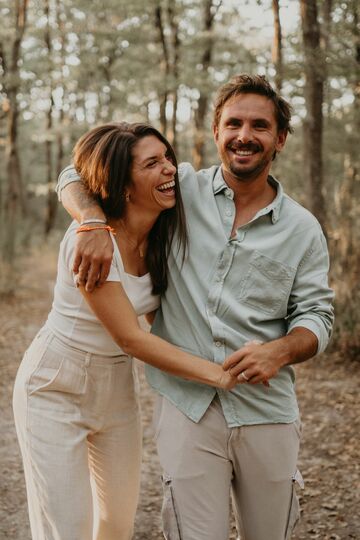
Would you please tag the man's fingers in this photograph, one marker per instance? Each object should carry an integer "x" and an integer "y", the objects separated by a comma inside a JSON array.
[
  {"x": 251, "y": 377},
  {"x": 93, "y": 277},
  {"x": 242, "y": 367},
  {"x": 82, "y": 273},
  {"x": 240, "y": 354},
  {"x": 104, "y": 272},
  {"x": 233, "y": 359},
  {"x": 76, "y": 263}
]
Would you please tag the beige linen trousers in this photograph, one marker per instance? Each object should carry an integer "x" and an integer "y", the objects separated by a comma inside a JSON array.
[{"x": 77, "y": 417}]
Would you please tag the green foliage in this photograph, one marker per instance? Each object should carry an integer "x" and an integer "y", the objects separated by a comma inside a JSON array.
[{"x": 106, "y": 62}]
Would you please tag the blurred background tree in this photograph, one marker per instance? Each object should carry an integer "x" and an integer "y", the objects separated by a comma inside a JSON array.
[{"x": 68, "y": 65}]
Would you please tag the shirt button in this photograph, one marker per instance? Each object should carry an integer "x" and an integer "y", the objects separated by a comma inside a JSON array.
[
  {"x": 228, "y": 212},
  {"x": 218, "y": 343}
]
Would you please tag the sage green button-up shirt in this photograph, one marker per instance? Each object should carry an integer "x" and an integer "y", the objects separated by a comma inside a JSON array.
[{"x": 270, "y": 278}]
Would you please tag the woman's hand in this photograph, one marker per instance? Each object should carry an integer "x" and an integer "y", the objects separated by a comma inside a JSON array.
[{"x": 227, "y": 380}]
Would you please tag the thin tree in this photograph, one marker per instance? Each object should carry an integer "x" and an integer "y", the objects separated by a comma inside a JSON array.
[
  {"x": 209, "y": 10},
  {"x": 175, "y": 42},
  {"x": 313, "y": 123},
  {"x": 14, "y": 198},
  {"x": 51, "y": 202},
  {"x": 277, "y": 56},
  {"x": 350, "y": 259},
  {"x": 164, "y": 67},
  {"x": 60, "y": 15}
]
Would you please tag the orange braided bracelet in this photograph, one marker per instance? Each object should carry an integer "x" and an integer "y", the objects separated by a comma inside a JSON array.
[{"x": 105, "y": 227}]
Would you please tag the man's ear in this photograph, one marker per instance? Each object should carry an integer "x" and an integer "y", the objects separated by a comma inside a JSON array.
[
  {"x": 281, "y": 140},
  {"x": 215, "y": 132}
]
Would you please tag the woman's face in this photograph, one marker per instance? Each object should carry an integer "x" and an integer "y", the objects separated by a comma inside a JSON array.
[{"x": 152, "y": 186}]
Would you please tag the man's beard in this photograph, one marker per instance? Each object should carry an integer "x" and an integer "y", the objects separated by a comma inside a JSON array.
[
  {"x": 240, "y": 171},
  {"x": 251, "y": 173}
]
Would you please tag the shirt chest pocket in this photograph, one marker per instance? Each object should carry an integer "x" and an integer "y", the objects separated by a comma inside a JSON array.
[{"x": 267, "y": 285}]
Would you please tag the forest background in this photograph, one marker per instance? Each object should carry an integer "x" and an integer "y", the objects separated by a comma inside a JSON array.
[
  {"x": 71, "y": 64},
  {"x": 67, "y": 65}
]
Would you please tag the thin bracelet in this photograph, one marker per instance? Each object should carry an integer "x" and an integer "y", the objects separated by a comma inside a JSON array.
[
  {"x": 93, "y": 220},
  {"x": 83, "y": 228}
]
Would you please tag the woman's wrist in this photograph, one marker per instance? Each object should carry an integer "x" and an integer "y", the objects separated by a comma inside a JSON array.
[{"x": 220, "y": 378}]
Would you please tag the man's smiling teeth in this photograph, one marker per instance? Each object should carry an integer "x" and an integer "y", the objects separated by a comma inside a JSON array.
[
  {"x": 168, "y": 185},
  {"x": 243, "y": 152}
]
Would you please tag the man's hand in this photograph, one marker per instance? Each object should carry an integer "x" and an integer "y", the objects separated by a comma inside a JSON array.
[
  {"x": 254, "y": 363},
  {"x": 93, "y": 256}
]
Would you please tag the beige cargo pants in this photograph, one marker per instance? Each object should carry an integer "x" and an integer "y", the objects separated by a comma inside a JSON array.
[{"x": 203, "y": 463}]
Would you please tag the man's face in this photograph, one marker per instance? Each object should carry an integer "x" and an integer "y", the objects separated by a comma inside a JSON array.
[{"x": 247, "y": 137}]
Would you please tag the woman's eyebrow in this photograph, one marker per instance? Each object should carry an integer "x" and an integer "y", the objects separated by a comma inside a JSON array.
[{"x": 150, "y": 158}]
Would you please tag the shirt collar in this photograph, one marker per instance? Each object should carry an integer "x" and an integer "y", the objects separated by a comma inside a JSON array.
[{"x": 219, "y": 186}]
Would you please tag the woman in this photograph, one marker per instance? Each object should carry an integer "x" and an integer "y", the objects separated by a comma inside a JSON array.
[{"x": 75, "y": 404}]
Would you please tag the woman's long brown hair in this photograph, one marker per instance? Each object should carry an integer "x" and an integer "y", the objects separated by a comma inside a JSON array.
[{"x": 103, "y": 158}]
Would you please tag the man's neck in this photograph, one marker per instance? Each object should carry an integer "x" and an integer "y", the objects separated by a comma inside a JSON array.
[{"x": 250, "y": 196}]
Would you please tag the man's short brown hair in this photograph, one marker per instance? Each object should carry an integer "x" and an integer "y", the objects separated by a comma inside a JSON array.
[{"x": 253, "y": 84}]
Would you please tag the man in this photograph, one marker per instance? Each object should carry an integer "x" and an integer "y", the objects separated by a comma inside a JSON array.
[{"x": 255, "y": 279}]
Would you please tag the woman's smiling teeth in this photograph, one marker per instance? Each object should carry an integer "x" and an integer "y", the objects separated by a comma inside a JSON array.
[{"x": 167, "y": 185}]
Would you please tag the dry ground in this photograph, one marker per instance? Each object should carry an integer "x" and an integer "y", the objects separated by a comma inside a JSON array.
[{"x": 329, "y": 401}]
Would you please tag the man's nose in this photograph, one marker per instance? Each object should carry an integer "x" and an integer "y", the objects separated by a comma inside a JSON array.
[{"x": 244, "y": 134}]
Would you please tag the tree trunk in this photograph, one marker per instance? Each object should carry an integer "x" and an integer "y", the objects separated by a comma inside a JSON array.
[
  {"x": 326, "y": 7},
  {"x": 51, "y": 202},
  {"x": 174, "y": 73},
  {"x": 203, "y": 101},
  {"x": 347, "y": 192},
  {"x": 313, "y": 124},
  {"x": 60, "y": 136},
  {"x": 14, "y": 198},
  {"x": 277, "y": 46},
  {"x": 164, "y": 67}
]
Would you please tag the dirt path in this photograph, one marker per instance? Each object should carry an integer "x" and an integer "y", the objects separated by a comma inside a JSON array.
[{"x": 329, "y": 401}]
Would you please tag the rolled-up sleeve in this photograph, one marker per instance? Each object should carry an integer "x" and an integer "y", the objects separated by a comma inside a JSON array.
[
  {"x": 311, "y": 300},
  {"x": 67, "y": 176}
]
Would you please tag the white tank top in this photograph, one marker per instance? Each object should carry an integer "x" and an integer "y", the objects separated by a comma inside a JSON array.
[{"x": 72, "y": 320}]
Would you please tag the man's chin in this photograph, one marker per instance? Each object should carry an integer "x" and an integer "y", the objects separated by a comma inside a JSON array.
[{"x": 244, "y": 174}]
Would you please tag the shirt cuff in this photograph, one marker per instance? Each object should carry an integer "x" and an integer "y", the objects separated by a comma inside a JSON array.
[
  {"x": 67, "y": 176},
  {"x": 315, "y": 328}
]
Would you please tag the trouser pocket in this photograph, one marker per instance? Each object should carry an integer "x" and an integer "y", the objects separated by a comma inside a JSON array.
[
  {"x": 171, "y": 528},
  {"x": 294, "y": 509}
]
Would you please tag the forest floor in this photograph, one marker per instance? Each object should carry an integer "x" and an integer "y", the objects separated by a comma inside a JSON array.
[{"x": 328, "y": 391}]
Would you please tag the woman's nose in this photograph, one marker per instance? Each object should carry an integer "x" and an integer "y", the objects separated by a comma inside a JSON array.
[{"x": 169, "y": 167}]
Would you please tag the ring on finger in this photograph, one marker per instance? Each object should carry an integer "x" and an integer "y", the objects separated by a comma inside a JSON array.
[{"x": 244, "y": 376}]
